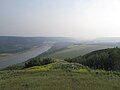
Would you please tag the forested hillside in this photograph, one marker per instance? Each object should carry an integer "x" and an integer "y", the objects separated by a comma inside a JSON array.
[{"x": 107, "y": 59}]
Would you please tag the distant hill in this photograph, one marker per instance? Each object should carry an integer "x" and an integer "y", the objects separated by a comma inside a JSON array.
[
  {"x": 107, "y": 59},
  {"x": 107, "y": 40},
  {"x": 9, "y": 44}
]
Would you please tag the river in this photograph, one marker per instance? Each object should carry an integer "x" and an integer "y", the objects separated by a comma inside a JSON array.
[{"x": 21, "y": 57}]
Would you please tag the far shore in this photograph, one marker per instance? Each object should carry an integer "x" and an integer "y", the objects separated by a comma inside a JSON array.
[{"x": 3, "y": 55}]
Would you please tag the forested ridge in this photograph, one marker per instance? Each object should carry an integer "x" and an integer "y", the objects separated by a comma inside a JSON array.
[{"x": 107, "y": 59}]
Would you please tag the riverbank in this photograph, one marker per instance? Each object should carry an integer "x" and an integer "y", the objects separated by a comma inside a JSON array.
[{"x": 21, "y": 57}]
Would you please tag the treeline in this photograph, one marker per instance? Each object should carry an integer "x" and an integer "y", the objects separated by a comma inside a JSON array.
[
  {"x": 37, "y": 61},
  {"x": 107, "y": 59}
]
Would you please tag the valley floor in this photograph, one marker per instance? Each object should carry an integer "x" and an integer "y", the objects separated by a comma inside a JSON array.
[{"x": 57, "y": 80}]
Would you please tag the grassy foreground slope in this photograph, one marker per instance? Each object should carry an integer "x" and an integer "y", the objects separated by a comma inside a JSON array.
[
  {"x": 59, "y": 75},
  {"x": 57, "y": 80}
]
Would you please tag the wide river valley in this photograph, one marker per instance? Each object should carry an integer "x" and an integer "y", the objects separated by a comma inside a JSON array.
[{"x": 21, "y": 57}]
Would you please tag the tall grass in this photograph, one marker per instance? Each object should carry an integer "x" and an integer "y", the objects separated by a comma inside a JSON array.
[{"x": 58, "y": 80}]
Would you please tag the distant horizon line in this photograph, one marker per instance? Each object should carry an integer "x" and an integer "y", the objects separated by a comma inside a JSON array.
[{"x": 57, "y": 37}]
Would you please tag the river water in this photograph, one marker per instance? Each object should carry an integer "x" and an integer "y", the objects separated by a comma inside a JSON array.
[{"x": 21, "y": 57}]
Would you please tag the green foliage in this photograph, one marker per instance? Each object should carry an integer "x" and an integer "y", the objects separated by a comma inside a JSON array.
[
  {"x": 81, "y": 70},
  {"x": 38, "y": 62},
  {"x": 58, "y": 65},
  {"x": 107, "y": 59},
  {"x": 39, "y": 68},
  {"x": 67, "y": 66}
]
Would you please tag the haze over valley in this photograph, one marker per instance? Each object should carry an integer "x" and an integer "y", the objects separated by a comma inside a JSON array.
[{"x": 59, "y": 44}]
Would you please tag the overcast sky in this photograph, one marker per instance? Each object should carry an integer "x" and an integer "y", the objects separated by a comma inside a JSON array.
[{"x": 69, "y": 18}]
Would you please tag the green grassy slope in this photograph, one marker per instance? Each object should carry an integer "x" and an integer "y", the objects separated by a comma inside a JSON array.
[{"x": 57, "y": 80}]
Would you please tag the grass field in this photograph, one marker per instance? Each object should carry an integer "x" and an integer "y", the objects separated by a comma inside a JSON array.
[
  {"x": 75, "y": 50},
  {"x": 57, "y": 80}
]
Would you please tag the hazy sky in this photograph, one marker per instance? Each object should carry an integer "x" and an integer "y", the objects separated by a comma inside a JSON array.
[{"x": 70, "y": 18}]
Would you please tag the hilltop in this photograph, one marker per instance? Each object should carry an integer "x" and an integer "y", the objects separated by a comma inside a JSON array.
[{"x": 56, "y": 74}]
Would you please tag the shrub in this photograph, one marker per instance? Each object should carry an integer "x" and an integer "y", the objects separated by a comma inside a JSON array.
[{"x": 39, "y": 62}]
